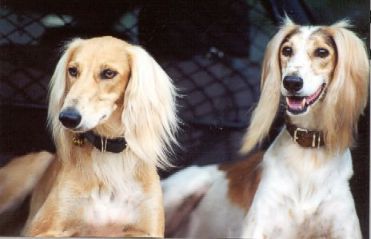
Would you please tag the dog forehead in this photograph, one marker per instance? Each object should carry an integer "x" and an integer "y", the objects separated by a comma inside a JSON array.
[
  {"x": 301, "y": 35},
  {"x": 101, "y": 50},
  {"x": 309, "y": 36}
]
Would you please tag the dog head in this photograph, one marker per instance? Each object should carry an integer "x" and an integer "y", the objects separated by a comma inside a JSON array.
[
  {"x": 116, "y": 89},
  {"x": 321, "y": 72},
  {"x": 307, "y": 58}
]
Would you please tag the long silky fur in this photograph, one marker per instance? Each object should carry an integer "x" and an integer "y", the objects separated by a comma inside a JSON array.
[
  {"x": 266, "y": 110},
  {"x": 57, "y": 93},
  {"x": 149, "y": 113},
  {"x": 347, "y": 93}
]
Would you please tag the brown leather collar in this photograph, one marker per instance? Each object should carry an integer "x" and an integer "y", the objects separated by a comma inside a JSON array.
[{"x": 304, "y": 137}]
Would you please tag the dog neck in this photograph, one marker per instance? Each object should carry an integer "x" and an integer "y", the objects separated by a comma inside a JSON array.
[
  {"x": 112, "y": 127},
  {"x": 305, "y": 130},
  {"x": 103, "y": 144},
  {"x": 305, "y": 137},
  {"x": 302, "y": 160}
]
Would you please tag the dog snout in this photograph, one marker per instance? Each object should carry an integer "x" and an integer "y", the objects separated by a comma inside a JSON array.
[
  {"x": 293, "y": 83},
  {"x": 70, "y": 117}
]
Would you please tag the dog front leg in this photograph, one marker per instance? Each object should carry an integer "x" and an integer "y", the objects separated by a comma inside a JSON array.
[
  {"x": 155, "y": 222},
  {"x": 252, "y": 227},
  {"x": 56, "y": 233},
  {"x": 265, "y": 221},
  {"x": 343, "y": 220},
  {"x": 152, "y": 221},
  {"x": 48, "y": 222},
  {"x": 151, "y": 226},
  {"x": 46, "y": 228}
]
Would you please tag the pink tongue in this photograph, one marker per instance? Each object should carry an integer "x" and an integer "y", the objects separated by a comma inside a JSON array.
[
  {"x": 314, "y": 96},
  {"x": 296, "y": 104}
]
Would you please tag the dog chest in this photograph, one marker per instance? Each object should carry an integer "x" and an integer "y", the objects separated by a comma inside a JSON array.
[
  {"x": 118, "y": 197},
  {"x": 114, "y": 206},
  {"x": 310, "y": 194}
]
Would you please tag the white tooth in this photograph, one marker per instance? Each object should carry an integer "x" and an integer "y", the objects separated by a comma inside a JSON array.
[{"x": 303, "y": 102}]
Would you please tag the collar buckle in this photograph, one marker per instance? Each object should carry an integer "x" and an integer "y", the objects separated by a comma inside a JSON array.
[
  {"x": 295, "y": 138},
  {"x": 305, "y": 137},
  {"x": 78, "y": 140}
]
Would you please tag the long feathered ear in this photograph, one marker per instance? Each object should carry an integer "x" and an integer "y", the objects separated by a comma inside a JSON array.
[
  {"x": 149, "y": 115},
  {"x": 57, "y": 93},
  {"x": 347, "y": 92},
  {"x": 266, "y": 110}
]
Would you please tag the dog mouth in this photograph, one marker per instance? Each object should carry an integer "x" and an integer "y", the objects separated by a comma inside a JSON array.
[
  {"x": 300, "y": 104},
  {"x": 83, "y": 128}
]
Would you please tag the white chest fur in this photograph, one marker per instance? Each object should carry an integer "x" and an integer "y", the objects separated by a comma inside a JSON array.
[
  {"x": 302, "y": 194},
  {"x": 118, "y": 199}
]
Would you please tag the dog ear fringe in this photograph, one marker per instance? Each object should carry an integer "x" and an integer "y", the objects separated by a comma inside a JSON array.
[
  {"x": 57, "y": 92},
  {"x": 347, "y": 94},
  {"x": 266, "y": 110},
  {"x": 149, "y": 114}
]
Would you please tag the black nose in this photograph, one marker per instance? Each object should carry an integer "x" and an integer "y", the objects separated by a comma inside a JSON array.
[
  {"x": 70, "y": 117},
  {"x": 293, "y": 83}
]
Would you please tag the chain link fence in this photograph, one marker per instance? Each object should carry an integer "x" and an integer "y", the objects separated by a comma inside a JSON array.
[{"x": 212, "y": 51}]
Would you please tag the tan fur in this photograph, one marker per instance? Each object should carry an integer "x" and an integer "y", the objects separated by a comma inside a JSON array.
[
  {"x": 320, "y": 39},
  {"x": 25, "y": 171},
  {"x": 243, "y": 179},
  {"x": 266, "y": 110},
  {"x": 347, "y": 95},
  {"x": 85, "y": 192}
]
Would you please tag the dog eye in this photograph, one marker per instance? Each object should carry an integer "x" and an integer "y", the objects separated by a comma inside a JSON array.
[
  {"x": 321, "y": 52},
  {"x": 108, "y": 74},
  {"x": 287, "y": 51},
  {"x": 72, "y": 71}
]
